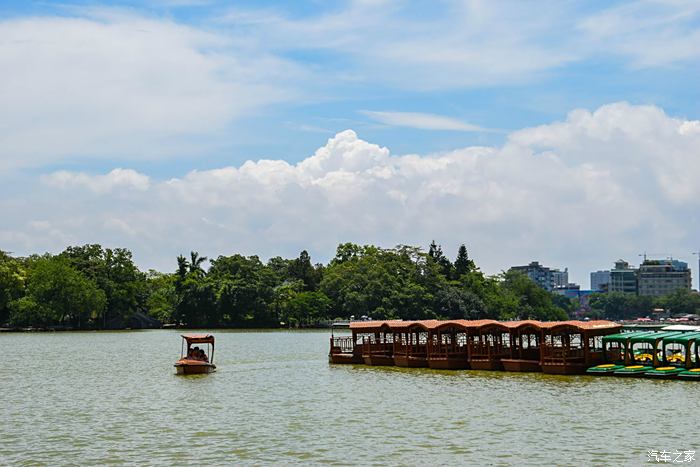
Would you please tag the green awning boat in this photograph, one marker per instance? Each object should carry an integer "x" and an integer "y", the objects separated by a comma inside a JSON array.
[
  {"x": 664, "y": 372},
  {"x": 615, "y": 356},
  {"x": 693, "y": 374},
  {"x": 633, "y": 370}
]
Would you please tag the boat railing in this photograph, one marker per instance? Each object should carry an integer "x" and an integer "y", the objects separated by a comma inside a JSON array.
[
  {"x": 342, "y": 344},
  {"x": 405, "y": 348},
  {"x": 439, "y": 349},
  {"x": 377, "y": 348},
  {"x": 488, "y": 349}
]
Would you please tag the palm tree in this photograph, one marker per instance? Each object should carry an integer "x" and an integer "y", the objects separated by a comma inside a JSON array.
[
  {"x": 182, "y": 266},
  {"x": 196, "y": 263}
]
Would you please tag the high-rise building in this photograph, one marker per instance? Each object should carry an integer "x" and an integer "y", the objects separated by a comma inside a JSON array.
[
  {"x": 600, "y": 281},
  {"x": 560, "y": 278},
  {"x": 543, "y": 276},
  {"x": 623, "y": 278},
  {"x": 663, "y": 277}
]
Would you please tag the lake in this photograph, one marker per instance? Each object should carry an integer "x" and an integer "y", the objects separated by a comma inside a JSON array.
[{"x": 113, "y": 397}]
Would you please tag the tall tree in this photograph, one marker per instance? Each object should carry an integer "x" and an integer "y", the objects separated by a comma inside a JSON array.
[
  {"x": 196, "y": 262},
  {"x": 302, "y": 269},
  {"x": 463, "y": 264}
]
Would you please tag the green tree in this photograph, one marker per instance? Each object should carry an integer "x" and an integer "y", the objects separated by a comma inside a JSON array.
[
  {"x": 245, "y": 290},
  {"x": 435, "y": 254},
  {"x": 681, "y": 302},
  {"x": 463, "y": 264},
  {"x": 161, "y": 294},
  {"x": 57, "y": 293},
  {"x": 12, "y": 279},
  {"x": 533, "y": 301},
  {"x": 302, "y": 269},
  {"x": 115, "y": 273},
  {"x": 307, "y": 308}
]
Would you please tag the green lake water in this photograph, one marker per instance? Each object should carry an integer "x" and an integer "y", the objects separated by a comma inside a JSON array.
[{"x": 113, "y": 397}]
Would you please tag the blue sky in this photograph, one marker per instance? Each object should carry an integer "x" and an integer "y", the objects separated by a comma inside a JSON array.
[{"x": 163, "y": 88}]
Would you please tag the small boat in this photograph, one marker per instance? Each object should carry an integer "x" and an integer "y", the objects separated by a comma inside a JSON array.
[
  {"x": 693, "y": 374},
  {"x": 190, "y": 364},
  {"x": 633, "y": 370},
  {"x": 664, "y": 372},
  {"x": 616, "y": 353}
]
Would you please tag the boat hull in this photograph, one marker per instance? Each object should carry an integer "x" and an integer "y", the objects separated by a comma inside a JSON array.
[
  {"x": 189, "y": 367},
  {"x": 378, "y": 360},
  {"x": 485, "y": 364},
  {"x": 510, "y": 364},
  {"x": 658, "y": 373},
  {"x": 633, "y": 371},
  {"x": 564, "y": 368},
  {"x": 449, "y": 363},
  {"x": 604, "y": 370},
  {"x": 690, "y": 375},
  {"x": 345, "y": 359},
  {"x": 410, "y": 362}
]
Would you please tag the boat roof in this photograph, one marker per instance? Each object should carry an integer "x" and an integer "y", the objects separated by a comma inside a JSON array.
[
  {"x": 582, "y": 325},
  {"x": 683, "y": 338},
  {"x": 198, "y": 338},
  {"x": 397, "y": 324},
  {"x": 522, "y": 323},
  {"x": 624, "y": 336},
  {"x": 372, "y": 324},
  {"x": 654, "y": 337}
]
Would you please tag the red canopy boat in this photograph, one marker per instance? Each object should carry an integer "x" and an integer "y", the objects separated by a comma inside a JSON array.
[{"x": 191, "y": 364}]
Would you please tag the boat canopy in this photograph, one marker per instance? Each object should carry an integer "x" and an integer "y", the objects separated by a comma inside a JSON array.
[
  {"x": 682, "y": 338},
  {"x": 625, "y": 336},
  {"x": 652, "y": 338},
  {"x": 198, "y": 338}
]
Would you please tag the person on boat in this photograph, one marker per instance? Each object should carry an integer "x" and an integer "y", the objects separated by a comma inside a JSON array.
[
  {"x": 203, "y": 356},
  {"x": 195, "y": 354}
]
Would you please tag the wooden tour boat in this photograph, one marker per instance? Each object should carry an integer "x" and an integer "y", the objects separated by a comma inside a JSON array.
[
  {"x": 190, "y": 364},
  {"x": 411, "y": 344},
  {"x": 489, "y": 342},
  {"x": 524, "y": 346},
  {"x": 345, "y": 349},
  {"x": 447, "y": 345},
  {"x": 376, "y": 340},
  {"x": 571, "y": 347},
  {"x": 564, "y": 347}
]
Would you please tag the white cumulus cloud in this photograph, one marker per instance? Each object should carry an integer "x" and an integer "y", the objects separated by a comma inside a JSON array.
[
  {"x": 115, "y": 85},
  {"x": 578, "y": 193}
]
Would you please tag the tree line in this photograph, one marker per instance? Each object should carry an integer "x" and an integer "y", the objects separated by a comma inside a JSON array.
[{"x": 91, "y": 287}]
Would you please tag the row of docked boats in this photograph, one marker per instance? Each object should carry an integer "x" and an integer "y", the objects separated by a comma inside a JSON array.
[
  {"x": 665, "y": 354},
  {"x": 559, "y": 347}
]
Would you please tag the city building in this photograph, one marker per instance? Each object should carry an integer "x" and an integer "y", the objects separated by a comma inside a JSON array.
[
  {"x": 623, "y": 278},
  {"x": 569, "y": 290},
  {"x": 600, "y": 281},
  {"x": 560, "y": 278},
  {"x": 662, "y": 277},
  {"x": 545, "y": 277}
]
